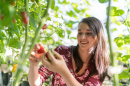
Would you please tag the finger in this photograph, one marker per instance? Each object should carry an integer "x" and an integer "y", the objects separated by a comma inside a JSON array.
[
  {"x": 32, "y": 58},
  {"x": 57, "y": 55},
  {"x": 50, "y": 56},
  {"x": 36, "y": 47},
  {"x": 40, "y": 45},
  {"x": 45, "y": 62},
  {"x": 33, "y": 53}
]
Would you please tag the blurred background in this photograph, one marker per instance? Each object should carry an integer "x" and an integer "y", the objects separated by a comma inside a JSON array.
[{"x": 21, "y": 26}]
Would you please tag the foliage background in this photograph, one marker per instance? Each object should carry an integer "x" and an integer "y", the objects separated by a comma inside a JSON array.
[{"x": 62, "y": 19}]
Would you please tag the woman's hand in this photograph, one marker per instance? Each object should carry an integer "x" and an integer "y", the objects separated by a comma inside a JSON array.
[
  {"x": 35, "y": 56},
  {"x": 55, "y": 62}
]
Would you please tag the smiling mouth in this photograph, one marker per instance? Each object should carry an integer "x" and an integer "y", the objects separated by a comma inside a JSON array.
[{"x": 84, "y": 42}]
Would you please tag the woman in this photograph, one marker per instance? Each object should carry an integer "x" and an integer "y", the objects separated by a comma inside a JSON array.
[{"x": 83, "y": 65}]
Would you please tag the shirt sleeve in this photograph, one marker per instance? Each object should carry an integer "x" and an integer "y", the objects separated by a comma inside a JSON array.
[{"x": 93, "y": 81}]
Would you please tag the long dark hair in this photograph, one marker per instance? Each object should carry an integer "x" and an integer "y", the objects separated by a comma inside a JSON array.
[{"x": 100, "y": 56}]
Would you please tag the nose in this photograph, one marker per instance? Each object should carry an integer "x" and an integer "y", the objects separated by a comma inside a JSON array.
[{"x": 84, "y": 36}]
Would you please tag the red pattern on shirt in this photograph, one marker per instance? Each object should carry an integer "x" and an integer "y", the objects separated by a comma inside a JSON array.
[{"x": 57, "y": 80}]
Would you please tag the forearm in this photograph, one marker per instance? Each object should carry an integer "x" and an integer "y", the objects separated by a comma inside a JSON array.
[
  {"x": 33, "y": 76},
  {"x": 69, "y": 79}
]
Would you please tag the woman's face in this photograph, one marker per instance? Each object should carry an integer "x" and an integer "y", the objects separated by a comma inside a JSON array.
[{"x": 85, "y": 38}]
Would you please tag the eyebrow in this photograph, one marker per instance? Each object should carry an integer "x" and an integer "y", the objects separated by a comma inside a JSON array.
[{"x": 86, "y": 29}]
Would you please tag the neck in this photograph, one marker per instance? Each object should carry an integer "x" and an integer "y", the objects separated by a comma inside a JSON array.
[{"x": 85, "y": 55}]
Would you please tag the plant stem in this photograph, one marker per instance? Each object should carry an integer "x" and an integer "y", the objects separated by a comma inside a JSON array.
[
  {"x": 26, "y": 30},
  {"x": 19, "y": 71},
  {"x": 113, "y": 59},
  {"x": 108, "y": 32},
  {"x": 26, "y": 41}
]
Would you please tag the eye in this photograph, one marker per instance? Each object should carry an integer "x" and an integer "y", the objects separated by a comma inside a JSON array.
[
  {"x": 88, "y": 33},
  {"x": 79, "y": 33}
]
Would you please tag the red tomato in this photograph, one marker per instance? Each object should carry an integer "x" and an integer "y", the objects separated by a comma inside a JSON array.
[
  {"x": 25, "y": 18},
  {"x": 2, "y": 17},
  {"x": 44, "y": 26},
  {"x": 14, "y": 20},
  {"x": 41, "y": 50}
]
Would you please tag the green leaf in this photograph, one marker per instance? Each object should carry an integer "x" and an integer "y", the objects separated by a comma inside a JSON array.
[
  {"x": 73, "y": 38},
  {"x": 71, "y": 13},
  {"x": 87, "y": 15},
  {"x": 2, "y": 35},
  {"x": 75, "y": 6},
  {"x": 33, "y": 20},
  {"x": 87, "y": 2},
  {"x": 8, "y": 12},
  {"x": 118, "y": 23},
  {"x": 70, "y": 23},
  {"x": 125, "y": 74},
  {"x": 127, "y": 39},
  {"x": 68, "y": 32},
  {"x": 59, "y": 42},
  {"x": 15, "y": 43},
  {"x": 64, "y": 2},
  {"x": 49, "y": 18},
  {"x": 119, "y": 41},
  {"x": 119, "y": 12},
  {"x": 127, "y": 23},
  {"x": 2, "y": 48},
  {"x": 128, "y": 50},
  {"x": 56, "y": 15},
  {"x": 56, "y": 8},
  {"x": 37, "y": 1},
  {"x": 60, "y": 33},
  {"x": 103, "y": 1},
  {"x": 113, "y": 19},
  {"x": 125, "y": 57},
  {"x": 53, "y": 4},
  {"x": 115, "y": 11},
  {"x": 114, "y": 29},
  {"x": 3, "y": 59}
]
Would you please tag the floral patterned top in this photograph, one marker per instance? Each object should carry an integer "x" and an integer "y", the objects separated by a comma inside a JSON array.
[{"x": 57, "y": 80}]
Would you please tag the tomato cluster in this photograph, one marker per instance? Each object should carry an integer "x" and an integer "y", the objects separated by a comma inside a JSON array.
[{"x": 25, "y": 18}]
